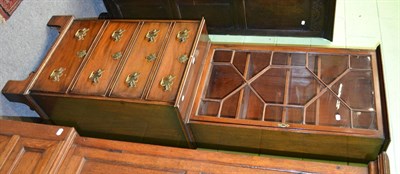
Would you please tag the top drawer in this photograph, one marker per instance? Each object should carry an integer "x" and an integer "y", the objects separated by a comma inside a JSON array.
[{"x": 64, "y": 62}]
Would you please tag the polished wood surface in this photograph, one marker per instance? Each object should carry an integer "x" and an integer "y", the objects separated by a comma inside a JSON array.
[
  {"x": 235, "y": 110},
  {"x": 313, "y": 18},
  {"x": 89, "y": 155},
  {"x": 98, "y": 99},
  {"x": 32, "y": 148}
]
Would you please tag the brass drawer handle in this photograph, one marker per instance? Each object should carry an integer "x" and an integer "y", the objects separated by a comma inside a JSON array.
[
  {"x": 81, "y": 54},
  {"x": 183, "y": 35},
  {"x": 132, "y": 79},
  {"x": 151, "y": 57},
  {"x": 117, "y": 34},
  {"x": 56, "y": 74},
  {"x": 167, "y": 82},
  {"x": 117, "y": 55},
  {"x": 283, "y": 125},
  {"x": 183, "y": 58},
  {"x": 151, "y": 35},
  {"x": 95, "y": 76},
  {"x": 81, "y": 33}
]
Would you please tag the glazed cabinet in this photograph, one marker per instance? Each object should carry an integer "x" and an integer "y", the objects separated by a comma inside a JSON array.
[
  {"x": 298, "y": 101},
  {"x": 121, "y": 79}
]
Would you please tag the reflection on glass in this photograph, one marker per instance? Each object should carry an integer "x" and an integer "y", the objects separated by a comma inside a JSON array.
[
  {"x": 355, "y": 88},
  {"x": 364, "y": 120},
  {"x": 360, "y": 62},
  {"x": 209, "y": 108},
  {"x": 271, "y": 85},
  {"x": 224, "y": 79},
  {"x": 325, "y": 89},
  {"x": 229, "y": 106},
  {"x": 327, "y": 67}
]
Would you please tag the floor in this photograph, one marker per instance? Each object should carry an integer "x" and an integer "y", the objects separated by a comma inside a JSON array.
[{"x": 24, "y": 40}]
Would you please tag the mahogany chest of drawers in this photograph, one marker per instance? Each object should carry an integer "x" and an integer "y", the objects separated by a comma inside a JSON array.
[{"x": 121, "y": 79}]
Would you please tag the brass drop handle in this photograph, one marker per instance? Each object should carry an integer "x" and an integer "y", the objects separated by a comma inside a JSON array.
[
  {"x": 117, "y": 55},
  {"x": 183, "y": 35},
  {"x": 183, "y": 58},
  {"x": 95, "y": 76},
  {"x": 167, "y": 82},
  {"x": 151, "y": 35},
  {"x": 81, "y": 33},
  {"x": 283, "y": 125},
  {"x": 151, "y": 57},
  {"x": 117, "y": 34},
  {"x": 56, "y": 74},
  {"x": 81, "y": 54},
  {"x": 132, "y": 79}
]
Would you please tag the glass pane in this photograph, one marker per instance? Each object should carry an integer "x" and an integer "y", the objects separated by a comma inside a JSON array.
[
  {"x": 259, "y": 61},
  {"x": 209, "y": 108},
  {"x": 298, "y": 59},
  {"x": 330, "y": 111},
  {"x": 229, "y": 106},
  {"x": 280, "y": 58},
  {"x": 360, "y": 62},
  {"x": 255, "y": 107},
  {"x": 303, "y": 86},
  {"x": 223, "y": 80},
  {"x": 222, "y": 56},
  {"x": 239, "y": 61},
  {"x": 355, "y": 88},
  {"x": 327, "y": 67},
  {"x": 294, "y": 115},
  {"x": 271, "y": 85},
  {"x": 273, "y": 113},
  {"x": 311, "y": 113},
  {"x": 364, "y": 120}
]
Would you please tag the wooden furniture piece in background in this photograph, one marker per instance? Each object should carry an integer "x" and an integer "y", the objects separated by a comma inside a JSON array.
[
  {"x": 36, "y": 148},
  {"x": 312, "y": 18},
  {"x": 298, "y": 101},
  {"x": 129, "y": 80}
]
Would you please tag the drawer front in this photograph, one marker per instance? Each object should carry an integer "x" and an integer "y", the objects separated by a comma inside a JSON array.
[
  {"x": 102, "y": 63},
  {"x": 172, "y": 66},
  {"x": 67, "y": 57},
  {"x": 146, "y": 51}
]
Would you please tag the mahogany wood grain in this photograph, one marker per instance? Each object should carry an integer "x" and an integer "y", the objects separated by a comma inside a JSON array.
[
  {"x": 170, "y": 65},
  {"x": 32, "y": 148},
  {"x": 227, "y": 130},
  {"x": 102, "y": 58},
  {"x": 137, "y": 62},
  {"x": 65, "y": 56}
]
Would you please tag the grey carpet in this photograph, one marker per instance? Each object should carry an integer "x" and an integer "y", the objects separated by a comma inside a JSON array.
[{"x": 25, "y": 39}]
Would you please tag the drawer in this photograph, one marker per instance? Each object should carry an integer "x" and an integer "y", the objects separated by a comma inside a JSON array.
[
  {"x": 140, "y": 63},
  {"x": 103, "y": 62},
  {"x": 64, "y": 62},
  {"x": 166, "y": 83}
]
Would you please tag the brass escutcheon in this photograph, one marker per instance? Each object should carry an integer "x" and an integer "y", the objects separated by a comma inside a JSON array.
[
  {"x": 117, "y": 34},
  {"x": 81, "y": 54},
  {"x": 183, "y": 35},
  {"x": 151, "y": 35},
  {"x": 183, "y": 58},
  {"x": 132, "y": 79},
  {"x": 167, "y": 82},
  {"x": 81, "y": 33},
  {"x": 56, "y": 74},
  {"x": 283, "y": 125},
  {"x": 151, "y": 57},
  {"x": 117, "y": 55},
  {"x": 95, "y": 76}
]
